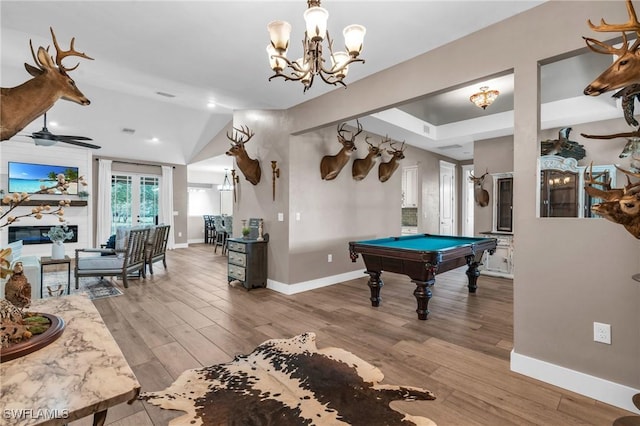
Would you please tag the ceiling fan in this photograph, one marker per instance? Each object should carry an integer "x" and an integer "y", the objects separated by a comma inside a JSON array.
[{"x": 45, "y": 138}]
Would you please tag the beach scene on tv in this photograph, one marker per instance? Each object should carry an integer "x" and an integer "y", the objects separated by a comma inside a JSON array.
[{"x": 30, "y": 178}]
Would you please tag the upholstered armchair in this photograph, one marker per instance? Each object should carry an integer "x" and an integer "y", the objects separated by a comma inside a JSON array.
[
  {"x": 120, "y": 262},
  {"x": 157, "y": 246}
]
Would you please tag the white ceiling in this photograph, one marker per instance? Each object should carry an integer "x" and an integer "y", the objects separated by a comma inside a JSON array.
[{"x": 203, "y": 51}]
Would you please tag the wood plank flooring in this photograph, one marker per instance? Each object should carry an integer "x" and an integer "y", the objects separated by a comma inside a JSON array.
[{"x": 188, "y": 316}]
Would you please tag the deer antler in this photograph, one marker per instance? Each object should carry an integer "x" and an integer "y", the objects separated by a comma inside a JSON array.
[
  {"x": 631, "y": 25},
  {"x": 384, "y": 140},
  {"x": 391, "y": 143},
  {"x": 608, "y": 49},
  {"x": 238, "y": 135},
  {"x": 61, "y": 54},
  {"x": 341, "y": 130},
  {"x": 635, "y": 134},
  {"x": 607, "y": 193}
]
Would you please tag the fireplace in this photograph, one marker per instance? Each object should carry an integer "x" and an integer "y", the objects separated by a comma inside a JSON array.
[{"x": 35, "y": 234}]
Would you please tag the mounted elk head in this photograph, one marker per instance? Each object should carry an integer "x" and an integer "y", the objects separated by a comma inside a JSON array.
[
  {"x": 331, "y": 165},
  {"x": 385, "y": 170},
  {"x": 626, "y": 69},
  {"x": 249, "y": 167},
  {"x": 619, "y": 205},
  {"x": 362, "y": 166},
  {"x": 480, "y": 194},
  {"x": 22, "y": 104}
]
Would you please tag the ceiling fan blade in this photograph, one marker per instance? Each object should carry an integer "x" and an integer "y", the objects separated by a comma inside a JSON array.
[
  {"x": 80, "y": 138},
  {"x": 78, "y": 143}
]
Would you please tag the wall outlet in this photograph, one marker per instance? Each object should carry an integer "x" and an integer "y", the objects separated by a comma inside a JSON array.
[
  {"x": 329, "y": 258},
  {"x": 602, "y": 333},
  {"x": 280, "y": 217}
]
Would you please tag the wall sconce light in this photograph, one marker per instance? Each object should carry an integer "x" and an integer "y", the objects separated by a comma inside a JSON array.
[
  {"x": 274, "y": 175},
  {"x": 236, "y": 180}
]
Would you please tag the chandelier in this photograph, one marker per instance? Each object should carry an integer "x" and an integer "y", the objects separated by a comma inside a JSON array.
[
  {"x": 312, "y": 62},
  {"x": 484, "y": 97}
]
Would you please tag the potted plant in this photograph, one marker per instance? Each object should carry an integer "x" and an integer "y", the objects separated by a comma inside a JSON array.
[
  {"x": 245, "y": 232},
  {"x": 58, "y": 234}
]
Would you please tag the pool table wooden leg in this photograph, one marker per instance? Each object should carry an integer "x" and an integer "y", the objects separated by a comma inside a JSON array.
[
  {"x": 472, "y": 273},
  {"x": 423, "y": 294},
  {"x": 375, "y": 284}
]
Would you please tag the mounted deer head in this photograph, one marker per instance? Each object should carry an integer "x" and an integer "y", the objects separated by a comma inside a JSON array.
[
  {"x": 626, "y": 69},
  {"x": 480, "y": 194},
  {"x": 619, "y": 205},
  {"x": 331, "y": 165},
  {"x": 362, "y": 166},
  {"x": 249, "y": 167},
  {"x": 22, "y": 104},
  {"x": 385, "y": 170}
]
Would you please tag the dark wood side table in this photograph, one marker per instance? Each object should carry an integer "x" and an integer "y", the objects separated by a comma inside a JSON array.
[{"x": 47, "y": 260}]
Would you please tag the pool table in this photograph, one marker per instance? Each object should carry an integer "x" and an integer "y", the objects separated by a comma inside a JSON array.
[{"x": 420, "y": 257}]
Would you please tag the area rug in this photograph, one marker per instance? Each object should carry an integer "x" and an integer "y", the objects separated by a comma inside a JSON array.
[
  {"x": 288, "y": 382},
  {"x": 95, "y": 287},
  {"x": 101, "y": 289}
]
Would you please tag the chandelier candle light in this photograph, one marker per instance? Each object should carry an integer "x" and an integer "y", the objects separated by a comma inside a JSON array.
[
  {"x": 312, "y": 62},
  {"x": 485, "y": 97}
]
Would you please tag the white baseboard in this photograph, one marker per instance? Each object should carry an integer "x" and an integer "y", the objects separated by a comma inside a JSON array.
[
  {"x": 593, "y": 387},
  {"x": 195, "y": 241},
  {"x": 290, "y": 289},
  {"x": 181, "y": 245}
]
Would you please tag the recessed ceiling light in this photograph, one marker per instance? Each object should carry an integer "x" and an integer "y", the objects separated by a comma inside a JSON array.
[
  {"x": 211, "y": 104},
  {"x": 155, "y": 140},
  {"x": 53, "y": 123}
]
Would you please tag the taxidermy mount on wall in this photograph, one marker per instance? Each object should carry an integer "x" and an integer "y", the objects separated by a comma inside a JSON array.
[
  {"x": 249, "y": 167},
  {"x": 480, "y": 194},
  {"x": 331, "y": 165},
  {"x": 22, "y": 104},
  {"x": 562, "y": 146},
  {"x": 362, "y": 166},
  {"x": 619, "y": 205},
  {"x": 624, "y": 73},
  {"x": 385, "y": 170}
]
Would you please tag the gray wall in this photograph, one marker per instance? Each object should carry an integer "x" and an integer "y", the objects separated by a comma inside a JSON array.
[
  {"x": 571, "y": 272},
  {"x": 496, "y": 156}
]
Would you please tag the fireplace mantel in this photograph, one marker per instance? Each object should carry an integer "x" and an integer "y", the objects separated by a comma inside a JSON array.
[{"x": 74, "y": 203}]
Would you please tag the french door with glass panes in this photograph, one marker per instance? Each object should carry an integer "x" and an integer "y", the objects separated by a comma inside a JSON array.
[{"x": 134, "y": 200}]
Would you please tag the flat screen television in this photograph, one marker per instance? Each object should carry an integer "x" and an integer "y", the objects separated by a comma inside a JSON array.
[{"x": 29, "y": 177}]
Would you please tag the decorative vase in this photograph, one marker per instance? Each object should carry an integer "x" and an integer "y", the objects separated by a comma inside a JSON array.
[{"x": 57, "y": 250}]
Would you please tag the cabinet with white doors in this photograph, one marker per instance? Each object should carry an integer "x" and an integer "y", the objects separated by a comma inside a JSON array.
[
  {"x": 410, "y": 186},
  {"x": 500, "y": 263}
]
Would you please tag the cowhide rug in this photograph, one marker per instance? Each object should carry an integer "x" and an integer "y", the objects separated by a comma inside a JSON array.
[{"x": 288, "y": 382}]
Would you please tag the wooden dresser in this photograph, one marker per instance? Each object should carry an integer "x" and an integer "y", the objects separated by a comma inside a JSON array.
[{"x": 247, "y": 261}]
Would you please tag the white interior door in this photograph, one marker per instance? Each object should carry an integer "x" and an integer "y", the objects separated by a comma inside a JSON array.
[
  {"x": 467, "y": 201},
  {"x": 447, "y": 198}
]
